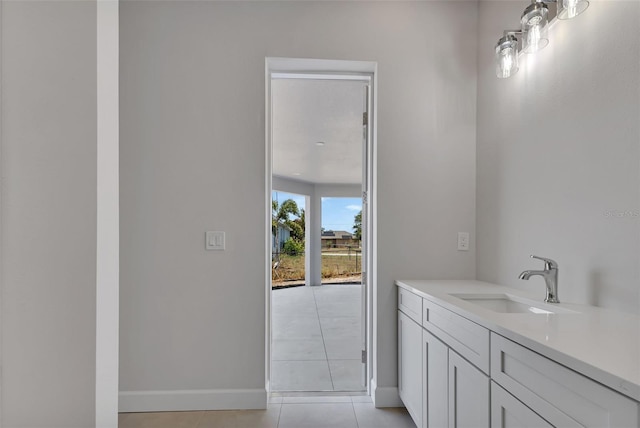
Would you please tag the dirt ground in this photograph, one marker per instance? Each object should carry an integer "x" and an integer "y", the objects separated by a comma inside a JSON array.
[{"x": 338, "y": 280}]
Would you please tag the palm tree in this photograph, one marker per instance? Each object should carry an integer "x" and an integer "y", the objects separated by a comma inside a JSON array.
[
  {"x": 357, "y": 226},
  {"x": 280, "y": 216},
  {"x": 298, "y": 226}
]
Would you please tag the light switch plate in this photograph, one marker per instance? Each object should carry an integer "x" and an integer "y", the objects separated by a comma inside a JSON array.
[
  {"x": 463, "y": 241},
  {"x": 214, "y": 240}
]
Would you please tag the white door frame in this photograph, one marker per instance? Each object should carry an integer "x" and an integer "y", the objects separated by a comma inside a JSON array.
[
  {"x": 325, "y": 69},
  {"x": 108, "y": 214}
]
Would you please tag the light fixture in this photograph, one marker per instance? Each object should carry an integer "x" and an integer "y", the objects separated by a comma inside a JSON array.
[
  {"x": 572, "y": 8},
  {"x": 320, "y": 143},
  {"x": 507, "y": 56},
  {"x": 534, "y": 22},
  {"x": 534, "y": 25}
]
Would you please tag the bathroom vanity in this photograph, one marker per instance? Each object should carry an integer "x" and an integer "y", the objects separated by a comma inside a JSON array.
[{"x": 474, "y": 354}]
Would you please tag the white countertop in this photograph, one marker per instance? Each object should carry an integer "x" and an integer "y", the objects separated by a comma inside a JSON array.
[{"x": 603, "y": 345}]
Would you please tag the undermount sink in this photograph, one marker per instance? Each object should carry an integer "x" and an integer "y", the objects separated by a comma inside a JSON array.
[{"x": 507, "y": 303}]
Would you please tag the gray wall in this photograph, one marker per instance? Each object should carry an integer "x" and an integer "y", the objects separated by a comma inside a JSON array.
[
  {"x": 48, "y": 213},
  {"x": 192, "y": 159},
  {"x": 558, "y": 156}
]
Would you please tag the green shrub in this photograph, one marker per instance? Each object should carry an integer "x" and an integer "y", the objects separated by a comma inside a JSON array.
[{"x": 293, "y": 247}]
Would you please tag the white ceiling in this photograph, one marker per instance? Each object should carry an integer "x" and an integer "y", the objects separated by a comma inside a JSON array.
[{"x": 306, "y": 112}]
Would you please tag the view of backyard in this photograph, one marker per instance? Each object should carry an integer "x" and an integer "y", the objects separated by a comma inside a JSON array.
[
  {"x": 341, "y": 254},
  {"x": 338, "y": 265}
]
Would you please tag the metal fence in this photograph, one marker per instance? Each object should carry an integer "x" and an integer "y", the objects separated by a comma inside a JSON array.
[{"x": 336, "y": 262}]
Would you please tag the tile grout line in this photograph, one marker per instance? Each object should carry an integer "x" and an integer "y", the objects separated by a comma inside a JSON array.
[
  {"x": 315, "y": 294},
  {"x": 279, "y": 415},
  {"x": 354, "y": 414},
  {"x": 295, "y": 316},
  {"x": 324, "y": 345}
]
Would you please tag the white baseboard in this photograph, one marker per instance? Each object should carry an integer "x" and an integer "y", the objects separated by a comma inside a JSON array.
[
  {"x": 385, "y": 396},
  {"x": 197, "y": 399}
]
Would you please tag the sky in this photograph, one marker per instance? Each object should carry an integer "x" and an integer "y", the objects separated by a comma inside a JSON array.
[{"x": 337, "y": 213}]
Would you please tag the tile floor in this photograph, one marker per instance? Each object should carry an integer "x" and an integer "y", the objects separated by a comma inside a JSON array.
[
  {"x": 283, "y": 412},
  {"x": 316, "y": 343}
]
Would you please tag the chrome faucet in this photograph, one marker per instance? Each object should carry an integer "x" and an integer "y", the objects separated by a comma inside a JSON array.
[{"x": 550, "y": 275}]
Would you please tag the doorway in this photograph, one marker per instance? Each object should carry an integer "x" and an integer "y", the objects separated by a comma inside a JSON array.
[{"x": 319, "y": 145}]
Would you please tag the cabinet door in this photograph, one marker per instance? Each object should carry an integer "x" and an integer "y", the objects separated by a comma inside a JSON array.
[
  {"x": 508, "y": 412},
  {"x": 435, "y": 366},
  {"x": 468, "y": 394},
  {"x": 410, "y": 366}
]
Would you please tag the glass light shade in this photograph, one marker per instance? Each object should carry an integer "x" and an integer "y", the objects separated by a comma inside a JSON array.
[
  {"x": 572, "y": 8},
  {"x": 534, "y": 22},
  {"x": 507, "y": 57}
]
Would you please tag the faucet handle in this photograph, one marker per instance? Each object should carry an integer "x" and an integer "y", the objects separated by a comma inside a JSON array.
[{"x": 548, "y": 263}]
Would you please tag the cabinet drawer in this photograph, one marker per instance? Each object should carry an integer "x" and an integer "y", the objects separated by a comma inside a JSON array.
[
  {"x": 558, "y": 394},
  {"x": 410, "y": 304},
  {"x": 465, "y": 337}
]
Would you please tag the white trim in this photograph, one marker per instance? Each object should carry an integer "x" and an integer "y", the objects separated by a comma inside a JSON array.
[
  {"x": 321, "y": 76},
  {"x": 319, "y": 66},
  {"x": 385, "y": 396},
  {"x": 372, "y": 289},
  {"x": 267, "y": 225},
  {"x": 306, "y": 68},
  {"x": 194, "y": 399},
  {"x": 108, "y": 213},
  {"x": 2, "y": 323}
]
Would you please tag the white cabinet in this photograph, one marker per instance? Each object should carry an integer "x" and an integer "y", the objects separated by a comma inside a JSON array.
[
  {"x": 558, "y": 394},
  {"x": 438, "y": 387},
  {"x": 435, "y": 383},
  {"x": 455, "y": 394},
  {"x": 463, "y": 336},
  {"x": 468, "y": 394},
  {"x": 508, "y": 412},
  {"x": 410, "y": 366},
  {"x": 410, "y": 304},
  {"x": 456, "y": 373}
]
